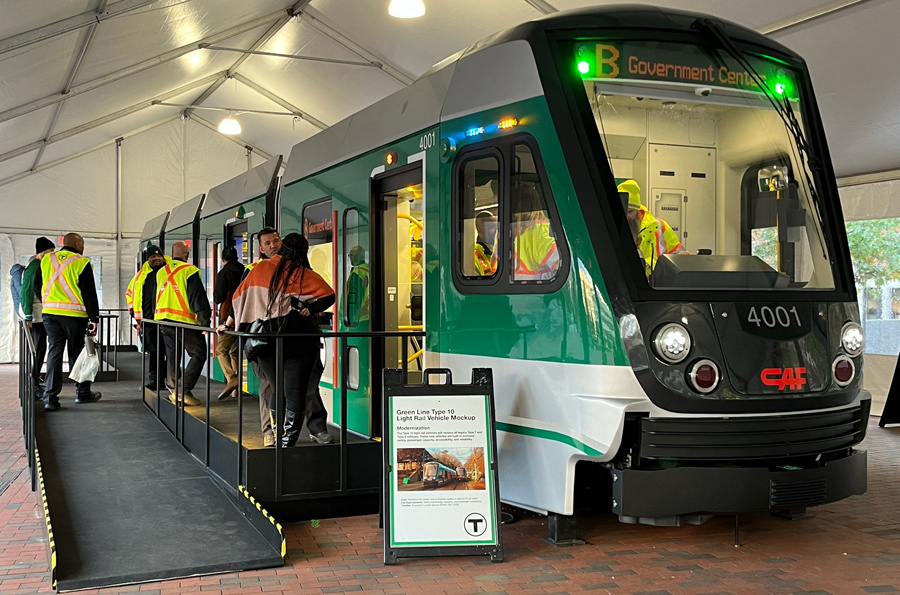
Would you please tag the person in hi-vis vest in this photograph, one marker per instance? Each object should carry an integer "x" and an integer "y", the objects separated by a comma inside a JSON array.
[
  {"x": 652, "y": 236},
  {"x": 70, "y": 309},
  {"x": 181, "y": 297},
  {"x": 144, "y": 308}
]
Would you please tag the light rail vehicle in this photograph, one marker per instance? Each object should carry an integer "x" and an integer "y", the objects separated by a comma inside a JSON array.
[{"x": 484, "y": 205}]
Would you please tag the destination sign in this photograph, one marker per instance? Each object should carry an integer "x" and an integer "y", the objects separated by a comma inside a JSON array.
[
  {"x": 318, "y": 223},
  {"x": 656, "y": 61}
]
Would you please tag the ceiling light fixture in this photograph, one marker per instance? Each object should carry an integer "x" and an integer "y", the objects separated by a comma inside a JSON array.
[
  {"x": 406, "y": 9},
  {"x": 230, "y": 126}
]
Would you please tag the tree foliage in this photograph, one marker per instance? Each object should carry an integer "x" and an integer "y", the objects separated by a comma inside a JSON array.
[{"x": 875, "y": 251}]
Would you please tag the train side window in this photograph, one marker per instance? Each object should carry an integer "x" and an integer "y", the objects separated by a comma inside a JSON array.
[
  {"x": 355, "y": 272},
  {"x": 535, "y": 255},
  {"x": 479, "y": 207},
  {"x": 318, "y": 227}
]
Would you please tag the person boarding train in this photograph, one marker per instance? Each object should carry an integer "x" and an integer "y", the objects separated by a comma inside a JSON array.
[{"x": 181, "y": 297}]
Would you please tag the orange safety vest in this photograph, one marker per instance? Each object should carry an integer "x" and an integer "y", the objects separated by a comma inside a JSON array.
[
  {"x": 171, "y": 296},
  {"x": 60, "y": 293}
]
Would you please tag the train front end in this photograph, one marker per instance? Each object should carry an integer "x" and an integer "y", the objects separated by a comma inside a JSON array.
[{"x": 699, "y": 161}]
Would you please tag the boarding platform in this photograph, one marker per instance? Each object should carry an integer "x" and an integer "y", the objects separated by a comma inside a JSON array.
[
  {"x": 280, "y": 478},
  {"x": 308, "y": 480},
  {"x": 125, "y": 503}
]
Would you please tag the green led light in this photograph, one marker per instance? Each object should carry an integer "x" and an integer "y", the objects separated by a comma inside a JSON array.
[
  {"x": 780, "y": 88},
  {"x": 584, "y": 67}
]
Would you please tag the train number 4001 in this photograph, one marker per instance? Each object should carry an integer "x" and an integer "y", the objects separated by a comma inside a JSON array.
[{"x": 790, "y": 378}]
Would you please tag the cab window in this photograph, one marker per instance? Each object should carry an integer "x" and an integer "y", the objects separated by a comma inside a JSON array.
[
  {"x": 479, "y": 208},
  {"x": 535, "y": 254},
  {"x": 508, "y": 232}
]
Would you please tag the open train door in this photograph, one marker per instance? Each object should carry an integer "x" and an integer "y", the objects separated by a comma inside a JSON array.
[{"x": 397, "y": 287}]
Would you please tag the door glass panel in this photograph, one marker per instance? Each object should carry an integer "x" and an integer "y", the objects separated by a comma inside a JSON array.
[
  {"x": 403, "y": 226},
  {"x": 356, "y": 272}
]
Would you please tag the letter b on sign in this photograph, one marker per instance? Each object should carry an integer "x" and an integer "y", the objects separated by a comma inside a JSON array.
[{"x": 607, "y": 61}]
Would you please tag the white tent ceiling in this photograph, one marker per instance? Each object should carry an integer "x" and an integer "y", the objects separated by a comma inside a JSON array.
[{"x": 77, "y": 74}]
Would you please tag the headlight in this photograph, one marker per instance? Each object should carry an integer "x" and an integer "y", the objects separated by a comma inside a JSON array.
[
  {"x": 852, "y": 339},
  {"x": 672, "y": 343}
]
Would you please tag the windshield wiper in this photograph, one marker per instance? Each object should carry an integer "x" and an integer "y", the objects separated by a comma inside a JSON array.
[{"x": 806, "y": 157}]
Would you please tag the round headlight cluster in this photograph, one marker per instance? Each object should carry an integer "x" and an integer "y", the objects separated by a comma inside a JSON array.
[
  {"x": 852, "y": 339},
  {"x": 672, "y": 343}
]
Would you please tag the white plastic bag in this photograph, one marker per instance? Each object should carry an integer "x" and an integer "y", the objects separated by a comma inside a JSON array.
[{"x": 88, "y": 364}]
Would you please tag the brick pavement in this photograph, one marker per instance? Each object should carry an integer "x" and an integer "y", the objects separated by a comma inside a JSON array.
[{"x": 846, "y": 547}]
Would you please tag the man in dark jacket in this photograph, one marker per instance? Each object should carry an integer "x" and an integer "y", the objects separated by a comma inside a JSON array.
[
  {"x": 227, "y": 280},
  {"x": 70, "y": 304},
  {"x": 156, "y": 260},
  {"x": 31, "y": 308}
]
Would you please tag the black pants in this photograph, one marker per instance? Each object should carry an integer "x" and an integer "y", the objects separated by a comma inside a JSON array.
[
  {"x": 148, "y": 335},
  {"x": 62, "y": 332},
  {"x": 301, "y": 360},
  {"x": 195, "y": 345},
  {"x": 39, "y": 337}
]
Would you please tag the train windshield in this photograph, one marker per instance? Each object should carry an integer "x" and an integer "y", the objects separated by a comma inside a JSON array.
[{"x": 708, "y": 151}]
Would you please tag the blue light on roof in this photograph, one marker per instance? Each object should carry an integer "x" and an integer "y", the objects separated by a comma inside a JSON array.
[{"x": 475, "y": 131}]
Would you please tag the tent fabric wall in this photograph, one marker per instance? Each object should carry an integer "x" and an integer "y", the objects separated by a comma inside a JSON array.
[
  {"x": 152, "y": 175},
  {"x": 76, "y": 195},
  {"x": 160, "y": 167},
  {"x": 209, "y": 161},
  {"x": 877, "y": 200},
  {"x": 9, "y": 329}
]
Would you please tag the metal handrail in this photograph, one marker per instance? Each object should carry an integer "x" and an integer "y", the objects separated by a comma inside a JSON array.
[
  {"x": 26, "y": 396},
  {"x": 278, "y": 385},
  {"x": 117, "y": 314}
]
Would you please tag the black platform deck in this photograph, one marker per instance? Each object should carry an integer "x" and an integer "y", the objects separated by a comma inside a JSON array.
[{"x": 129, "y": 504}]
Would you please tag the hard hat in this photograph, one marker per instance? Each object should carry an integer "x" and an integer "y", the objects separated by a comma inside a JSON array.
[{"x": 634, "y": 193}]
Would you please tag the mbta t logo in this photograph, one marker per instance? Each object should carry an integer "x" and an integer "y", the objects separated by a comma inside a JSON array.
[{"x": 790, "y": 378}]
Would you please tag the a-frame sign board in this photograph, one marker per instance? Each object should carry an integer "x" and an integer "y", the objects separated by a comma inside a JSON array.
[{"x": 441, "y": 490}]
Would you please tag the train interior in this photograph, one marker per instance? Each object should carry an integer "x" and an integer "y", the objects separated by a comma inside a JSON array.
[{"x": 719, "y": 165}]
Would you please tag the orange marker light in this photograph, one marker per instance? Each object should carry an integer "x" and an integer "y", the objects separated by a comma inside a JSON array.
[
  {"x": 507, "y": 123},
  {"x": 390, "y": 158}
]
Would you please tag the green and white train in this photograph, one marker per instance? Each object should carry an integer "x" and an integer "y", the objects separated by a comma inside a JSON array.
[{"x": 727, "y": 380}]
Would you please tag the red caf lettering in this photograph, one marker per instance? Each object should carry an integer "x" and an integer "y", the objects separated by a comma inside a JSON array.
[{"x": 791, "y": 378}]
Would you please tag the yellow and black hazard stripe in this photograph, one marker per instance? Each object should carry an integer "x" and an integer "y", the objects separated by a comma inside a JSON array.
[
  {"x": 266, "y": 514},
  {"x": 43, "y": 494}
]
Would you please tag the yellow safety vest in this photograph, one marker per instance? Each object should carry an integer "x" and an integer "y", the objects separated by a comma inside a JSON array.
[
  {"x": 139, "y": 280},
  {"x": 656, "y": 238},
  {"x": 60, "y": 293},
  {"x": 536, "y": 254},
  {"x": 358, "y": 294},
  {"x": 171, "y": 296},
  {"x": 129, "y": 291},
  {"x": 484, "y": 264},
  {"x": 135, "y": 285}
]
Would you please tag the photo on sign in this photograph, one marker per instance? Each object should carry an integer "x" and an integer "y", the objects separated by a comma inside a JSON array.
[{"x": 421, "y": 469}]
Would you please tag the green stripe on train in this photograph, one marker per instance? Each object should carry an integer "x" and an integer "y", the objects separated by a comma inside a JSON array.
[{"x": 548, "y": 435}]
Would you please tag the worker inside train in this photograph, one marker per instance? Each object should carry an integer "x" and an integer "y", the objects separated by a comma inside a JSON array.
[
  {"x": 534, "y": 243},
  {"x": 652, "y": 236},
  {"x": 486, "y": 237}
]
